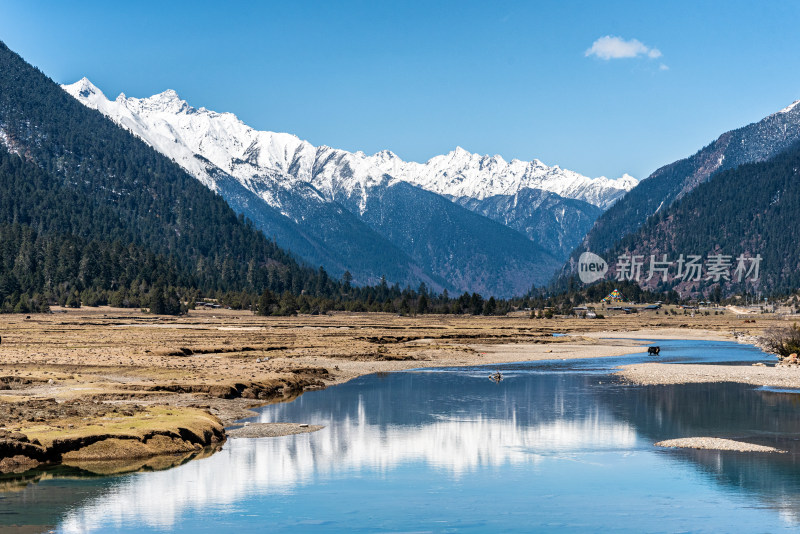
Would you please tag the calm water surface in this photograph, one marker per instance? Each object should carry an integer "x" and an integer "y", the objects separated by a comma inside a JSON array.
[{"x": 556, "y": 446}]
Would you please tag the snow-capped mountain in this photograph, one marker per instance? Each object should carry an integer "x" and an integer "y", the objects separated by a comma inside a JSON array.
[
  {"x": 461, "y": 174},
  {"x": 181, "y": 131},
  {"x": 323, "y": 193},
  {"x": 221, "y": 152}
]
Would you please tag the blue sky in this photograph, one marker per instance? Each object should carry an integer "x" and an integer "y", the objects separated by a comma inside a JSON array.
[{"x": 419, "y": 78}]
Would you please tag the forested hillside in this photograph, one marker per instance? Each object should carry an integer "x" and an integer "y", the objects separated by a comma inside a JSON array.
[
  {"x": 75, "y": 190},
  {"x": 751, "y": 210},
  {"x": 755, "y": 142}
]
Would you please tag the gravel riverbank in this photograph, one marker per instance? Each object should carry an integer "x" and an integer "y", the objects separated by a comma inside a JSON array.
[
  {"x": 718, "y": 444},
  {"x": 648, "y": 374},
  {"x": 271, "y": 430}
]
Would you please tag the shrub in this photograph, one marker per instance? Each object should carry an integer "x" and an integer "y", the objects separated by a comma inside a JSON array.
[{"x": 782, "y": 341}]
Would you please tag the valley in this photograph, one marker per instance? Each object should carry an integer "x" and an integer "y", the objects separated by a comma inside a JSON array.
[
  {"x": 100, "y": 379},
  {"x": 460, "y": 221},
  {"x": 314, "y": 276}
]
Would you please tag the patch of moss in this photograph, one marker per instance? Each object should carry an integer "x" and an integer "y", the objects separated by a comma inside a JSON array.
[{"x": 188, "y": 424}]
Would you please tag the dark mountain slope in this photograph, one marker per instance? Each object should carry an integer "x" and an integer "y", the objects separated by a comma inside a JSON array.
[
  {"x": 753, "y": 209},
  {"x": 555, "y": 223},
  {"x": 755, "y": 142},
  {"x": 68, "y": 170},
  {"x": 328, "y": 235},
  {"x": 472, "y": 252}
]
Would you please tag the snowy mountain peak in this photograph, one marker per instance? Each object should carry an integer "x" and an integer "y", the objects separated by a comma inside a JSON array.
[
  {"x": 167, "y": 98},
  {"x": 384, "y": 155},
  {"x": 169, "y": 94},
  {"x": 83, "y": 89},
  {"x": 627, "y": 181},
  {"x": 166, "y": 101},
  {"x": 278, "y": 160},
  {"x": 461, "y": 173}
]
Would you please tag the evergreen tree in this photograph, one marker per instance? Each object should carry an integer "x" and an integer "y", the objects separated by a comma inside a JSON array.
[
  {"x": 73, "y": 300},
  {"x": 158, "y": 304},
  {"x": 288, "y": 304},
  {"x": 347, "y": 279},
  {"x": 490, "y": 306},
  {"x": 266, "y": 303},
  {"x": 422, "y": 304}
]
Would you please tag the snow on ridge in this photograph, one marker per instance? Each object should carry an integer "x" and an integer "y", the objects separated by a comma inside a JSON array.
[
  {"x": 790, "y": 107},
  {"x": 460, "y": 173},
  {"x": 261, "y": 160}
]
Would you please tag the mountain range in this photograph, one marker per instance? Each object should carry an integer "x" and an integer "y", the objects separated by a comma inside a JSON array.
[
  {"x": 460, "y": 222},
  {"x": 85, "y": 205}
]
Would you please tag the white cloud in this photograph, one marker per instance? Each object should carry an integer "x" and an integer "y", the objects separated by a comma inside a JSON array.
[
  {"x": 610, "y": 47},
  {"x": 663, "y": 67}
]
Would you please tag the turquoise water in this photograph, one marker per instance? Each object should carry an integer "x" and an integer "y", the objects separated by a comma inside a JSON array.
[{"x": 556, "y": 446}]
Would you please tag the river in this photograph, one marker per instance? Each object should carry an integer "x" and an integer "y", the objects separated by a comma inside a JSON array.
[{"x": 555, "y": 446}]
